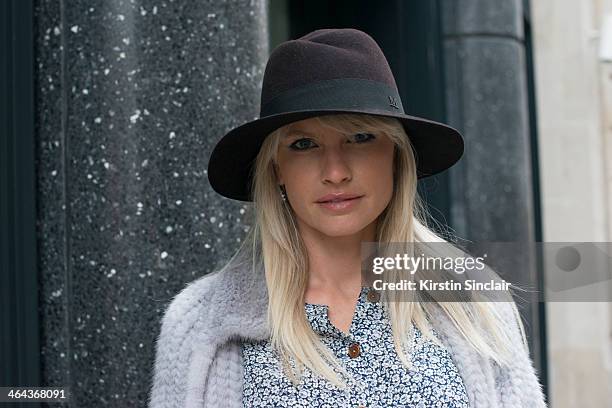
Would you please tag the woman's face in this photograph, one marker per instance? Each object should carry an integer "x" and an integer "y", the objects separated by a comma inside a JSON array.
[{"x": 314, "y": 161}]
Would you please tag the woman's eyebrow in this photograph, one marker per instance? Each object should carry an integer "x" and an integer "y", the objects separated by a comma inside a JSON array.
[{"x": 297, "y": 133}]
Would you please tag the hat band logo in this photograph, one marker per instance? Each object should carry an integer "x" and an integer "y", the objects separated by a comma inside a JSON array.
[{"x": 393, "y": 102}]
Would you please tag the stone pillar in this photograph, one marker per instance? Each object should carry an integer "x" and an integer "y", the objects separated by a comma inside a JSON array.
[
  {"x": 131, "y": 97},
  {"x": 486, "y": 97}
]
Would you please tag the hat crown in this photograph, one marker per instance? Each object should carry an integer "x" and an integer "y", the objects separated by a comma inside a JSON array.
[{"x": 321, "y": 55}]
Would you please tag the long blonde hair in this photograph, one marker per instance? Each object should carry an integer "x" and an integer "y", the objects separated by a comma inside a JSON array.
[{"x": 274, "y": 237}]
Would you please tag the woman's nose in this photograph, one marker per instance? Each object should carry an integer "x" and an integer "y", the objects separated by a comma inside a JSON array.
[{"x": 336, "y": 168}]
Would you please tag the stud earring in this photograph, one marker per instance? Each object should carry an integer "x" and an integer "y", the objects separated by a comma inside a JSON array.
[{"x": 283, "y": 193}]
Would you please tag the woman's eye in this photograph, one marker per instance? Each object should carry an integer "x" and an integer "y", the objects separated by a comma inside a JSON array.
[
  {"x": 364, "y": 137},
  {"x": 300, "y": 144}
]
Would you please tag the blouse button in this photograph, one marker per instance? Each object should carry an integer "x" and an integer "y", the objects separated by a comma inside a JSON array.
[
  {"x": 373, "y": 296},
  {"x": 354, "y": 350}
]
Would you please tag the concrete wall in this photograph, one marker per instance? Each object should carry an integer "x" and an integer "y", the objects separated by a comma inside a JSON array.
[{"x": 574, "y": 109}]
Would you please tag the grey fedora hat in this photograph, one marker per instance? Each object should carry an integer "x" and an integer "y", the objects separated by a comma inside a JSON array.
[{"x": 327, "y": 71}]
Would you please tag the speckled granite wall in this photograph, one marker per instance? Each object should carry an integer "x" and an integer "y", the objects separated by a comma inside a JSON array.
[
  {"x": 131, "y": 97},
  {"x": 486, "y": 93}
]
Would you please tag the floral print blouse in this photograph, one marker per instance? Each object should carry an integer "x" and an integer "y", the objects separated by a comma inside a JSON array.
[{"x": 367, "y": 352}]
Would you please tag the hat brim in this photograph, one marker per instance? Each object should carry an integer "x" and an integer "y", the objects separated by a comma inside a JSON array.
[{"x": 437, "y": 147}]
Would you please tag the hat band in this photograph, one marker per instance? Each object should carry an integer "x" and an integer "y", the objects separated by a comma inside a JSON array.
[{"x": 352, "y": 94}]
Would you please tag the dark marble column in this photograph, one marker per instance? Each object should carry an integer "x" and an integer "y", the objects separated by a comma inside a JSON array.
[
  {"x": 131, "y": 97},
  {"x": 492, "y": 191}
]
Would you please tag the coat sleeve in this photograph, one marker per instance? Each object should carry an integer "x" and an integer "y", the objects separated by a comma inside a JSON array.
[
  {"x": 173, "y": 348},
  {"x": 519, "y": 385}
]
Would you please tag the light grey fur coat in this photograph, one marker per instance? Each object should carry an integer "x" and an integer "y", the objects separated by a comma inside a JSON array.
[{"x": 198, "y": 359}]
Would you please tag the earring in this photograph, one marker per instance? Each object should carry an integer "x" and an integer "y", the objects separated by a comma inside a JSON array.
[{"x": 283, "y": 193}]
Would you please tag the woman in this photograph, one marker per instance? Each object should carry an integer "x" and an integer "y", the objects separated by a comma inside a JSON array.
[{"x": 333, "y": 162}]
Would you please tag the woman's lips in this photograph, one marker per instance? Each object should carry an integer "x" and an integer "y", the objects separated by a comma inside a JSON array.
[{"x": 340, "y": 205}]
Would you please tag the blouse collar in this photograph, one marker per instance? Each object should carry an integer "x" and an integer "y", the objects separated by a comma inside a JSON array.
[{"x": 318, "y": 315}]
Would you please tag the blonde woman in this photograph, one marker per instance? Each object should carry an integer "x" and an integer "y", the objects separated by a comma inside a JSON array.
[{"x": 290, "y": 320}]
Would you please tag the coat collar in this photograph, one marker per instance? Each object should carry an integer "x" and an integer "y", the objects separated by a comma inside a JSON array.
[{"x": 243, "y": 302}]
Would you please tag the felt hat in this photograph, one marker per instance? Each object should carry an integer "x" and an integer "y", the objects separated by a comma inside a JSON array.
[{"x": 327, "y": 71}]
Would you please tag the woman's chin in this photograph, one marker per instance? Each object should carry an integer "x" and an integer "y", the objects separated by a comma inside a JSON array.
[{"x": 340, "y": 230}]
